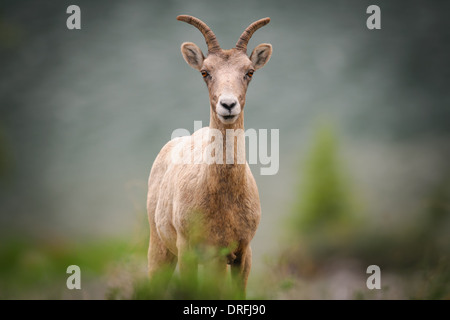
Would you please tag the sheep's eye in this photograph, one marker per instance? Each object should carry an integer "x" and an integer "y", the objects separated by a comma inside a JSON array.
[
  {"x": 204, "y": 73},
  {"x": 250, "y": 74}
]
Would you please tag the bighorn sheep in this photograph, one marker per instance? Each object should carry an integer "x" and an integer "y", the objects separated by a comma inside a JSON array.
[{"x": 222, "y": 198}]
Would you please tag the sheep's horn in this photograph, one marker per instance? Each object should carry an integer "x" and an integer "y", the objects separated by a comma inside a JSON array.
[
  {"x": 210, "y": 37},
  {"x": 247, "y": 34}
]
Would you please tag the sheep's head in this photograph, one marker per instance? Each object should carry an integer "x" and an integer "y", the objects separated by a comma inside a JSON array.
[{"x": 227, "y": 73}]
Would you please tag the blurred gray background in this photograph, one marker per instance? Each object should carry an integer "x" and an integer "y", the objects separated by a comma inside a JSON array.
[{"x": 83, "y": 113}]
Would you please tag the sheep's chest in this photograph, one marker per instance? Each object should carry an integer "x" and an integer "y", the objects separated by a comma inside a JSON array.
[
  {"x": 229, "y": 223},
  {"x": 222, "y": 208}
]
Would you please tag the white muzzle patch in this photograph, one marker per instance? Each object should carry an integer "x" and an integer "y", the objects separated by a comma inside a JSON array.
[{"x": 228, "y": 108}]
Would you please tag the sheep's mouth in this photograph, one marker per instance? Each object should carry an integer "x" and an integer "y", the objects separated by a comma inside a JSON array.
[{"x": 228, "y": 119}]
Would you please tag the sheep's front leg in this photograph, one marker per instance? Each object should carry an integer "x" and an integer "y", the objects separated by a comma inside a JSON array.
[
  {"x": 240, "y": 269},
  {"x": 188, "y": 265},
  {"x": 161, "y": 262}
]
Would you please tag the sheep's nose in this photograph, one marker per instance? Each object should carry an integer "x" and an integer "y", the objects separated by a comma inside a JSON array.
[{"x": 228, "y": 103}]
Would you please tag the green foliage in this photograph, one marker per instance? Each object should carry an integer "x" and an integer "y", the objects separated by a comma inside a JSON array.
[
  {"x": 324, "y": 198},
  {"x": 329, "y": 230},
  {"x": 166, "y": 285},
  {"x": 31, "y": 269}
]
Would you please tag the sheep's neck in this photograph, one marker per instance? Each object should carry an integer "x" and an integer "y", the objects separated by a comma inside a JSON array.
[{"x": 228, "y": 174}]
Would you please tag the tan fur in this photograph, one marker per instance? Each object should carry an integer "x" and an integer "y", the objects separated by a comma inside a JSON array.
[{"x": 208, "y": 206}]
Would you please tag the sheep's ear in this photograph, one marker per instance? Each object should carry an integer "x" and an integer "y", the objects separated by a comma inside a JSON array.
[
  {"x": 261, "y": 55},
  {"x": 192, "y": 54}
]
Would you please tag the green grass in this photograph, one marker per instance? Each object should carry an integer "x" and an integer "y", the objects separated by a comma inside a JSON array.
[
  {"x": 116, "y": 269},
  {"x": 34, "y": 269},
  {"x": 110, "y": 269}
]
